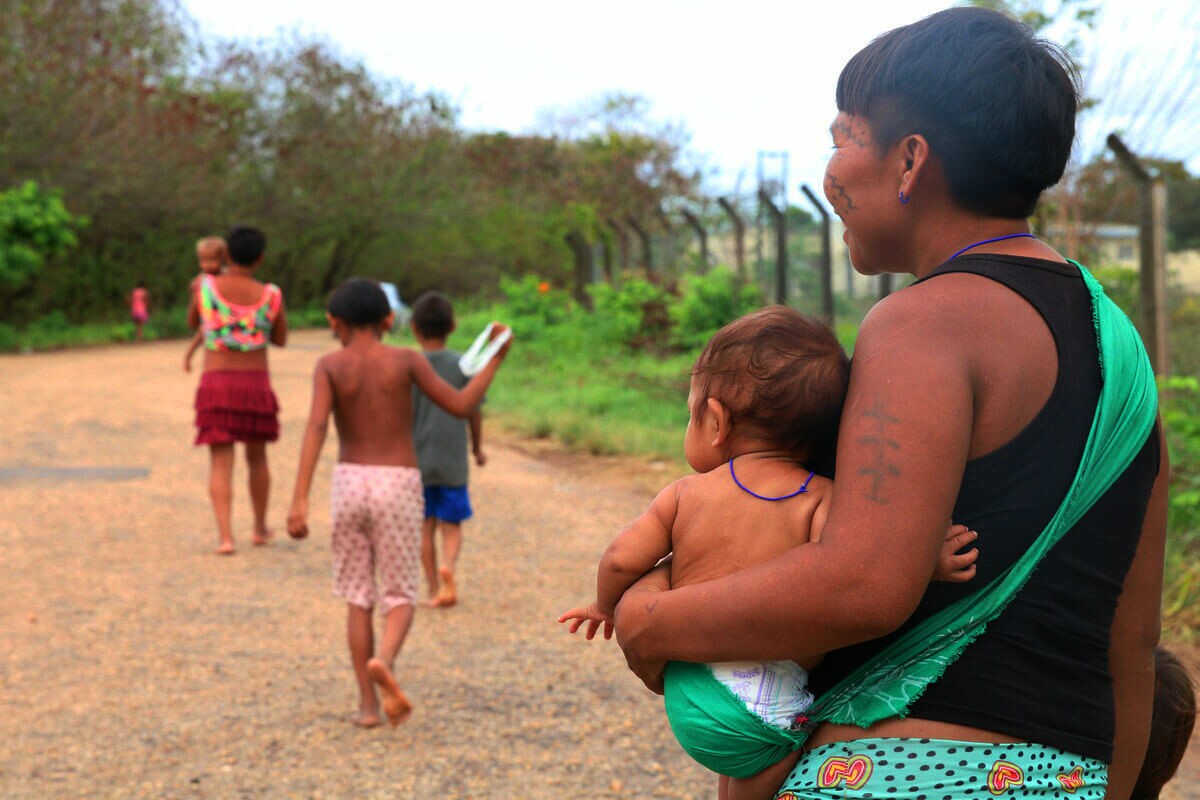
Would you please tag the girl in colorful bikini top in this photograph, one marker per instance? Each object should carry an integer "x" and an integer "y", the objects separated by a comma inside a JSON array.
[
  {"x": 766, "y": 396},
  {"x": 238, "y": 316}
]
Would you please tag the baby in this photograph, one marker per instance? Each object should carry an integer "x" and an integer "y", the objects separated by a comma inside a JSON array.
[{"x": 765, "y": 401}]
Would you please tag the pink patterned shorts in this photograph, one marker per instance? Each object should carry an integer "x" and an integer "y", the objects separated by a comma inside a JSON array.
[{"x": 377, "y": 516}]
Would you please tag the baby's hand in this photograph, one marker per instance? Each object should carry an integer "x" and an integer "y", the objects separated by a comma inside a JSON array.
[
  {"x": 952, "y": 566},
  {"x": 297, "y": 522},
  {"x": 594, "y": 618}
]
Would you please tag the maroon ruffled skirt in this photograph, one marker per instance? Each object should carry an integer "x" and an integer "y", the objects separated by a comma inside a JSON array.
[{"x": 234, "y": 405}]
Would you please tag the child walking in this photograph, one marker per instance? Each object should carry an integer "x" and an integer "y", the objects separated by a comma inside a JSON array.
[
  {"x": 441, "y": 442},
  {"x": 238, "y": 316},
  {"x": 375, "y": 496},
  {"x": 212, "y": 255},
  {"x": 765, "y": 401},
  {"x": 139, "y": 308}
]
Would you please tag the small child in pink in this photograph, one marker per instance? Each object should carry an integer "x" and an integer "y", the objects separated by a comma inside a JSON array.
[{"x": 376, "y": 496}]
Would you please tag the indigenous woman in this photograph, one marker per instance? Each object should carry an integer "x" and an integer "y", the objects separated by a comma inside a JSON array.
[
  {"x": 239, "y": 317},
  {"x": 1001, "y": 390}
]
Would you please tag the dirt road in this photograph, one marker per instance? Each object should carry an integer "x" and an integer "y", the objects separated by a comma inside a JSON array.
[{"x": 136, "y": 664}]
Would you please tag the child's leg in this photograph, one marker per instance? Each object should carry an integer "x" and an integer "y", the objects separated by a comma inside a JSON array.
[
  {"x": 398, "y": 527},
  {"x": 260, "y": 488},
  {"x": 762, "y": 786},
  {"x": 451, "y": 544},
  {"x": 361, "y": 636},
  {"x": 381, "y": 669},
  {"x": 220, "y": 490},
  {"x": 429, "y": 558}
]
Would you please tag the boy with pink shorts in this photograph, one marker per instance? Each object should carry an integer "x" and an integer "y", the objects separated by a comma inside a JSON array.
[{"x": 376, "y": 495}]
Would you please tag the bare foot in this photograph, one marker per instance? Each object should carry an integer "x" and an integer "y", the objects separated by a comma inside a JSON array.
[
  {"x": 395, "y": 703},
  {"x": 433, "y": 601},
  {"x": 447, "y": 595},
  {"x": 366, "y": 719},
  {"x": 225, "y": 549},
  {"x": 260, "y": 538}
]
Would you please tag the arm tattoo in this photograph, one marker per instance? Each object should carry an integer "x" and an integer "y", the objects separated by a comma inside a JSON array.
[
  {"x": 843, "y": 202},
  {"x": 651, "y": 606},
  {"x": 881, "y": 467}
]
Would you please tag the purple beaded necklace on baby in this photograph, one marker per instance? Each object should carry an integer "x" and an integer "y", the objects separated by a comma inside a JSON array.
[{"x": 803, "y": 487}]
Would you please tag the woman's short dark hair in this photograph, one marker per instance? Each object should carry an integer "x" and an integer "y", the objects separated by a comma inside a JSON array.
[
  {"x": 996, "y": 103},
  {"x": 245, "y": 245},
  {"x": 782, "y": 375},
  {"x": 433, "y": 315},
  {"x": 359, "y": 302}
]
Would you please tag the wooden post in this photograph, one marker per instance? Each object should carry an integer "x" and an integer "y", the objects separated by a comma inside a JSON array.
[
  {"x": 702, "y": 235},
  {"x": 826, "y": 256},
  {"x": 739, "y": 236},
  {"x": 1152, "y": 254},
  {"x": 781, "y": 260}
]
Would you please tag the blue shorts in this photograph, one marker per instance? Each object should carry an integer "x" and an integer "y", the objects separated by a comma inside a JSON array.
[{"x": 447, "y": 503}]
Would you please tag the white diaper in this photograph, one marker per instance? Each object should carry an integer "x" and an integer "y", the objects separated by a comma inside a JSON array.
[{"x": 774, "y": 691}]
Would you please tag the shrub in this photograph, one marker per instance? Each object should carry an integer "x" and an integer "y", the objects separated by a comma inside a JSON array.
[
  {"x": 709, "y": 302},
  {"x": 633, "y": 314}
]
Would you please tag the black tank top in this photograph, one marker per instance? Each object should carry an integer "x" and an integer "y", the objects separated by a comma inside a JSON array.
[{"x": 1040, "y": 671}]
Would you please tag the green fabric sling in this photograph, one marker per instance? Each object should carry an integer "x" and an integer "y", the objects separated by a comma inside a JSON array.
[{"x": 708, "y": 719}]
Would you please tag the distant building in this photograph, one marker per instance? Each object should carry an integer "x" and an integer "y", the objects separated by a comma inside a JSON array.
[{"x": 1106, "y": 244}]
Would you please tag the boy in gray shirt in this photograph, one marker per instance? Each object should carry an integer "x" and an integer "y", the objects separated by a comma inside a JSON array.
[{"x": 441, "y": 442}]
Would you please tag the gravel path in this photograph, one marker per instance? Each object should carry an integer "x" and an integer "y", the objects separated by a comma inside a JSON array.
[{"x": 136, "y": 664}]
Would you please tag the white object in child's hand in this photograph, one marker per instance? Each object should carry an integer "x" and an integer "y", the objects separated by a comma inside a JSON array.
[{"x": 482, "y": 351}]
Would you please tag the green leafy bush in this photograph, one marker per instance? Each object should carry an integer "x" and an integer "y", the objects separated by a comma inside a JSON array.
[
  {"x": 633, "y": 314},
  {"x": 707, "y": 302},
  {"x": 35, "y": 226}
]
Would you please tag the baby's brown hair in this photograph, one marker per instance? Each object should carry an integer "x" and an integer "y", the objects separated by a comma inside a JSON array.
[
  {"x": 213, "y": 243},
  {"x": 782, "y": 375}
]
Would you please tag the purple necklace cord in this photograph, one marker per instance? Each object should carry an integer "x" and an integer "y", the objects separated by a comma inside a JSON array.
[
  {"x": 989, "y": 241},
  {"x": 803, "y": 487}
]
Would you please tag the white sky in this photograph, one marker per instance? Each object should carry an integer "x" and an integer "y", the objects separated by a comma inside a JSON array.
[{"x": 741, "y": 77}]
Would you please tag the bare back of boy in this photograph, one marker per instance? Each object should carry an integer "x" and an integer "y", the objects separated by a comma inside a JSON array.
[{"x": 371, "y": 403}]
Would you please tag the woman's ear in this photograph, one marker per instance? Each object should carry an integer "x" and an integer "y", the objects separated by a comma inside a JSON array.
[
  {"x": 718, "y": 421},
  {"x": 913, "y": 160}
]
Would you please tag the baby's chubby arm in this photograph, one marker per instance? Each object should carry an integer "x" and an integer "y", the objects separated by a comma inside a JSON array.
[
  {"x": 314, "y": 439},
  {"x": 633, "y": 553}
]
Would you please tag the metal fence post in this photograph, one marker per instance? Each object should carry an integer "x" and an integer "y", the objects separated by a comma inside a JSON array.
[
  {"x": 702, "y": 235},
  {"x": 781, "y": 261},
  {"x": 826, "y": 256},
  {"x": 644, "y": 238},
  {"x": 739, "y": 236},
  {"x": 583, "y": 267},
  {"x": 1152, "y": 241}
]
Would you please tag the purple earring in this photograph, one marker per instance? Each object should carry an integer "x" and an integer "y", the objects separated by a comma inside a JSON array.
[{"x": 904, "y": 200}]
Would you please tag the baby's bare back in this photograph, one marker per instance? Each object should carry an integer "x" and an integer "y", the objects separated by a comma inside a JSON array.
[
  {"x": 372, "y": 404},
  {"x": 720, "y": 529}
]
